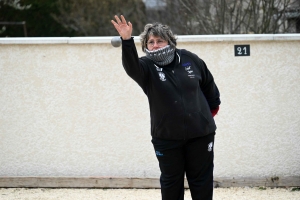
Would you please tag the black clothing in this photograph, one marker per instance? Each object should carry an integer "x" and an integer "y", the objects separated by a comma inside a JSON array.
[
  {"x": 180, "y": 94},
  {"x": 195, "y": 157}
]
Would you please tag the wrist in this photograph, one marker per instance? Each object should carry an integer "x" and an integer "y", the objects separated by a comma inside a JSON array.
[{"x": 126, "y": 38}]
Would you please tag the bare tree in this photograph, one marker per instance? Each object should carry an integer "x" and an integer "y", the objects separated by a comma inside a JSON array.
[
  {"x": 267, "y": 16},
  {"x": 167, "y": 12},
  {"x": 92, "y": 17},
  {"x": 15, "y": 4},
  {"x": 225, "y": 16},
  {"x": 293, "y": 17}
]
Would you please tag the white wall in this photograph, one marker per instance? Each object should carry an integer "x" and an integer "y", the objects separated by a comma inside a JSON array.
[{"x": 67, "y": 108}]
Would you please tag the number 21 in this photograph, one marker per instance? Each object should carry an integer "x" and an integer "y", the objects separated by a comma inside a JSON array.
[{"x": 239, "y": 49}]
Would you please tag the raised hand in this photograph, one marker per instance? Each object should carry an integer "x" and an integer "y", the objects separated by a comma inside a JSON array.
[{"x": 123, "y": 28}]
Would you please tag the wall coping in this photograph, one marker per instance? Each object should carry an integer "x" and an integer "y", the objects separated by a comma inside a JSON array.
[{"x": 181, "y": 38}]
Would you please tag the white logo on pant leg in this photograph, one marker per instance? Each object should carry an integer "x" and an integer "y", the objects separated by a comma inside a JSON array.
[{"x": 210, "y": 146}]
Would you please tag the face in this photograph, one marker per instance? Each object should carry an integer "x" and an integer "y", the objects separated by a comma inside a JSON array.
[{"x": 155, "y": 43}]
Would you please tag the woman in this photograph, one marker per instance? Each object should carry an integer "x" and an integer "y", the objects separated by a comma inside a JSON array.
[{"x": 183, "y": 99}]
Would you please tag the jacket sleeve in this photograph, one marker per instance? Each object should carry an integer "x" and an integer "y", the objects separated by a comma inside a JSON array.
[
  {"x": 134, "y": 67},
  {"x": 209, "y": 88}
]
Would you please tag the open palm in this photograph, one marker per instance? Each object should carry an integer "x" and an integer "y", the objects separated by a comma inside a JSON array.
[{"x": 124, "y": 29}]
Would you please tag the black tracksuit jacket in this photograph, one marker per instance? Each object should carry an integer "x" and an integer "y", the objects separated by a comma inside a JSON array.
[{"x": 180, "y": 94}]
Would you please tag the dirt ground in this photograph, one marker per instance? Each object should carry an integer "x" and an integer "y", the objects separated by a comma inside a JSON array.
[{"x": 145, "y": 194}]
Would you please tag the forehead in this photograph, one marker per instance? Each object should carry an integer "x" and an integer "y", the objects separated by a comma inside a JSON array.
[{"x": 152, "y": 37}]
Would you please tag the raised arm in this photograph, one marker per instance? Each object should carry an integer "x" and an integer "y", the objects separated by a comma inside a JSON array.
[{"x": 130, "y": 60}]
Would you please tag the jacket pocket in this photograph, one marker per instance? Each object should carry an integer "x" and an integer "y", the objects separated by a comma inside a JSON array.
[
  {"x": 171, "y": 126},
  {"x": 197, "y": 124}
]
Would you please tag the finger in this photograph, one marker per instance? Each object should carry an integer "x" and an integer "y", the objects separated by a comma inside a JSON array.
[
  {"x": 123, "y": 19},
  {"x": 117, "y": 19},
  {"x": 130, "y": 25},
  {"x": 115, "y": 24}
]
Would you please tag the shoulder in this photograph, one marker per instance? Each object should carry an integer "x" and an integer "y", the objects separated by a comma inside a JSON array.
[
  {"x": 144, "y": 58},
  {"x": 185, "y": 54},
  {"x": 145, "y": 61}
]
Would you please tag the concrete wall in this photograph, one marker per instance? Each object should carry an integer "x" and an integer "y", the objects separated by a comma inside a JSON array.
[{"x": 67, "y": 108}]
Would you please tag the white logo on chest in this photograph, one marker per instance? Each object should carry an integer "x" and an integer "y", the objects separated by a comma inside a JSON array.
[
  {"x": 190, "y": 72},
  {"x": 162, "y": 76}
]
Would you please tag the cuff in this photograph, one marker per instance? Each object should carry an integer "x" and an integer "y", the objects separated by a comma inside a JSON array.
[{"x": 214, "y": 111}]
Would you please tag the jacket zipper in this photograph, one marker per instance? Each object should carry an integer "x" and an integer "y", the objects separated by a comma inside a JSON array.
[{"x": 181, "y": 94}]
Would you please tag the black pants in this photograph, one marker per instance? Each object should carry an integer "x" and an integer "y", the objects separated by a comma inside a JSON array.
[{"x": 193, "y": 157}]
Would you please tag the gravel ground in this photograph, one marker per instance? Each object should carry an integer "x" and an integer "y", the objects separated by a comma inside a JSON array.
[{"x": 145, "y": 194}]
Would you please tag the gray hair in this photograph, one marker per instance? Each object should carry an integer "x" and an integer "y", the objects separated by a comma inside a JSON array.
[{"x": 157, "y": 30}]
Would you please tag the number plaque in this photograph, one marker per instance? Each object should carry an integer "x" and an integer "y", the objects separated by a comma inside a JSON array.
[{"x": 242, "y": 50}]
